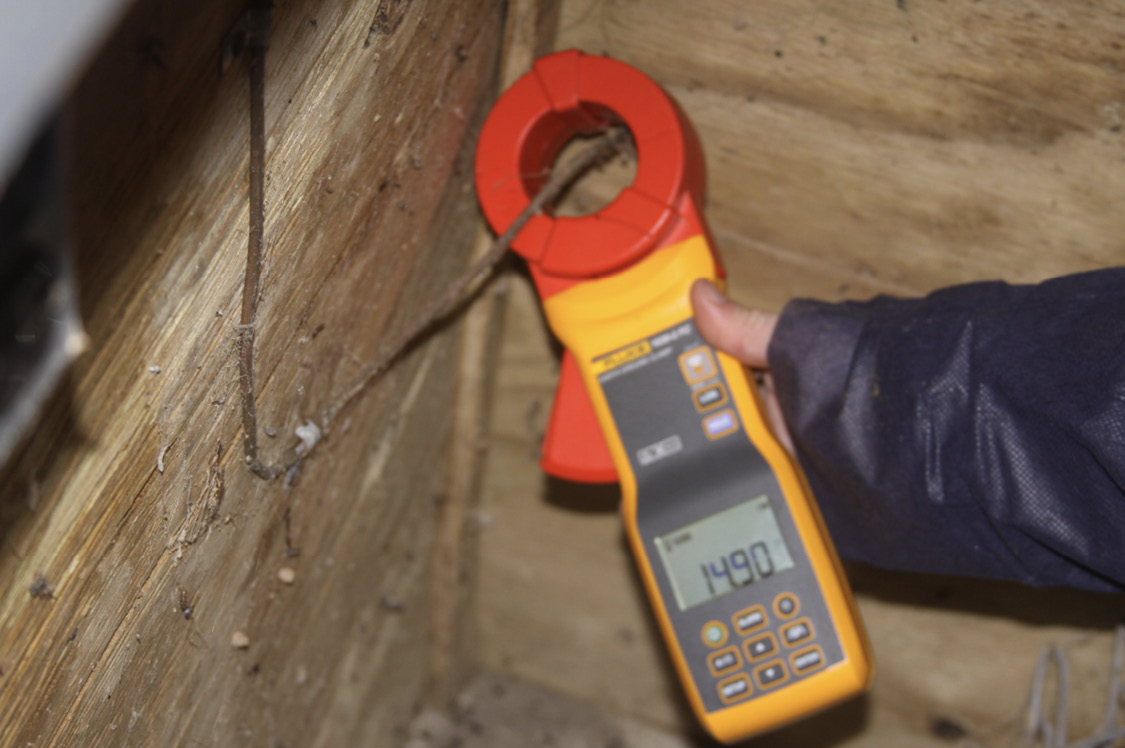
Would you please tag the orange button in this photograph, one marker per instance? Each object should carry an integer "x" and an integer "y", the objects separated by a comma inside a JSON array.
[
  {"x": 750, "y": 619},
  {"x": 697, "y": 364},
  {"x": 797, "y": 632},
  {"x": 714, "y": 634},
  {"x": 724, "y": 660},
  {"x": 786, "y": 605},
  {"x": 771, "y": 674},
  {"x": 710, "y": 397},
  {"x": 760, "y": 646},
  {"x": 806, "y": 660},
  {"x": 734, "y": 689}
]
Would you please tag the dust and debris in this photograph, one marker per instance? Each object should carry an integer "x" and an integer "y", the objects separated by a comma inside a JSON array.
[
  {"x": 532, "y": 417},
  {"x": 291, "y": 474},
  {"x": 212, "y": 498},
  {"x": 1111, "y": 113},
  {"x": 40, "y": 588},
  {"x": 287, "y": 575},
  {"x": 154, "y": 369},
  {"x": 302, "y": 675},
  {"x": 432, "y": 729},
  {"x": 202, "y": 513},
  {"x": 309, "y": 434},
  {"x": 271, "y": 432},
  {"x": 481, "y": 519},
  {"x": 239, "y": 640},
  {"x": 290, "y": 549},
  {"x": 160, "y": 458},
  {"x": 947, "y": 729},
  {"x": 500, "y": 712},
  {"x": 389, "y": 15},
  {"x": 187, "y": 606}
]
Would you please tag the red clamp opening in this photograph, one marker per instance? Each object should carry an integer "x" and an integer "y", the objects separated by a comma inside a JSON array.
[
  {"x": 570, "y": 94},
  {"x": 567, "y": 95}
]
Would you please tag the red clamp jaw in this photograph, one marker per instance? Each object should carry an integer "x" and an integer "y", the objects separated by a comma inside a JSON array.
[{"x": 570, "y": 94}]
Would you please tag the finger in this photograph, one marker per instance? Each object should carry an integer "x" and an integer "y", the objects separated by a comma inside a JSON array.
[
  {"x": 743, "y": 333},
  {"x": 773, "y": 413}
]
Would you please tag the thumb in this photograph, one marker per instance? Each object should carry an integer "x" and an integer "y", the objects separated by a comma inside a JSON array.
[{"x": 732, "y": 328}]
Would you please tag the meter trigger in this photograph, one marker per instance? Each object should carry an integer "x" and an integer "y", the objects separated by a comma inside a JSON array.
[{"x": 574, "y": 445}]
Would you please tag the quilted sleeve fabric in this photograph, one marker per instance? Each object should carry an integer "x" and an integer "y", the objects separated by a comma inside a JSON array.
[{"x": 977, "y": 431}]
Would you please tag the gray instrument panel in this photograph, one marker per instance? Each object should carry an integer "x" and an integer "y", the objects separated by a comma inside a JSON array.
[{"x": 693, "y": 460}]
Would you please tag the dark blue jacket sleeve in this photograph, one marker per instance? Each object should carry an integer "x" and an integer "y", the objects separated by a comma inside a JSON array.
[{"x": 977, "y": 431}]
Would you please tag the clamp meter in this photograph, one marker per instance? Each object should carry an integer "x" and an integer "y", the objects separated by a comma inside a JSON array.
[{"x": 734, "y": 556}]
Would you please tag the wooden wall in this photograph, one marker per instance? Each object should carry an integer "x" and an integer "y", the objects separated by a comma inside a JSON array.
[
  {"x": 136, "y": 548},
  {"x": 853, "y": 148}
]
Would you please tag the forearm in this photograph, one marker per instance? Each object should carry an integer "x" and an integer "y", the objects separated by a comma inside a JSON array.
[{"x": 978, "y": 431}]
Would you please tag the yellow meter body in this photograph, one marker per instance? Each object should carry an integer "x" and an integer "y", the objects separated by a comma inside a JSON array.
[{"x": 738, "y": 567}]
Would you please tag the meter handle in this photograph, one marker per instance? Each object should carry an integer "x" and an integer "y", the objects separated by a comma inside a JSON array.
[{"x": 574, "y": 447}]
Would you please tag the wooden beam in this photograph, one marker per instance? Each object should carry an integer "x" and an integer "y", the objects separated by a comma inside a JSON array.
[
  {"x": 155, "y": 592},
  {"x": 529, "y": 30}
]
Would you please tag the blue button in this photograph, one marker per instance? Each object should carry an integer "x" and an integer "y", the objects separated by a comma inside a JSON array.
[{"x": 719, "y": 424}]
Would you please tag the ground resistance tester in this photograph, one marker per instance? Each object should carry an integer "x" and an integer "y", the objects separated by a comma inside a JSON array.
[{"x": 739, "y": 569}]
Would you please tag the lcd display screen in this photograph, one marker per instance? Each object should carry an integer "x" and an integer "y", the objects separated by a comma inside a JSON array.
[{"x": 723, "y": 552}]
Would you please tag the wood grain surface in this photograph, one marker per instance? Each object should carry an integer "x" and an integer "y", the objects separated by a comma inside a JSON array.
[{"x": 154, "y": 592}]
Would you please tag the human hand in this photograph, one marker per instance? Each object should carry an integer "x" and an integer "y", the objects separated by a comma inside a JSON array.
[{"x": 745, "y": 334}]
